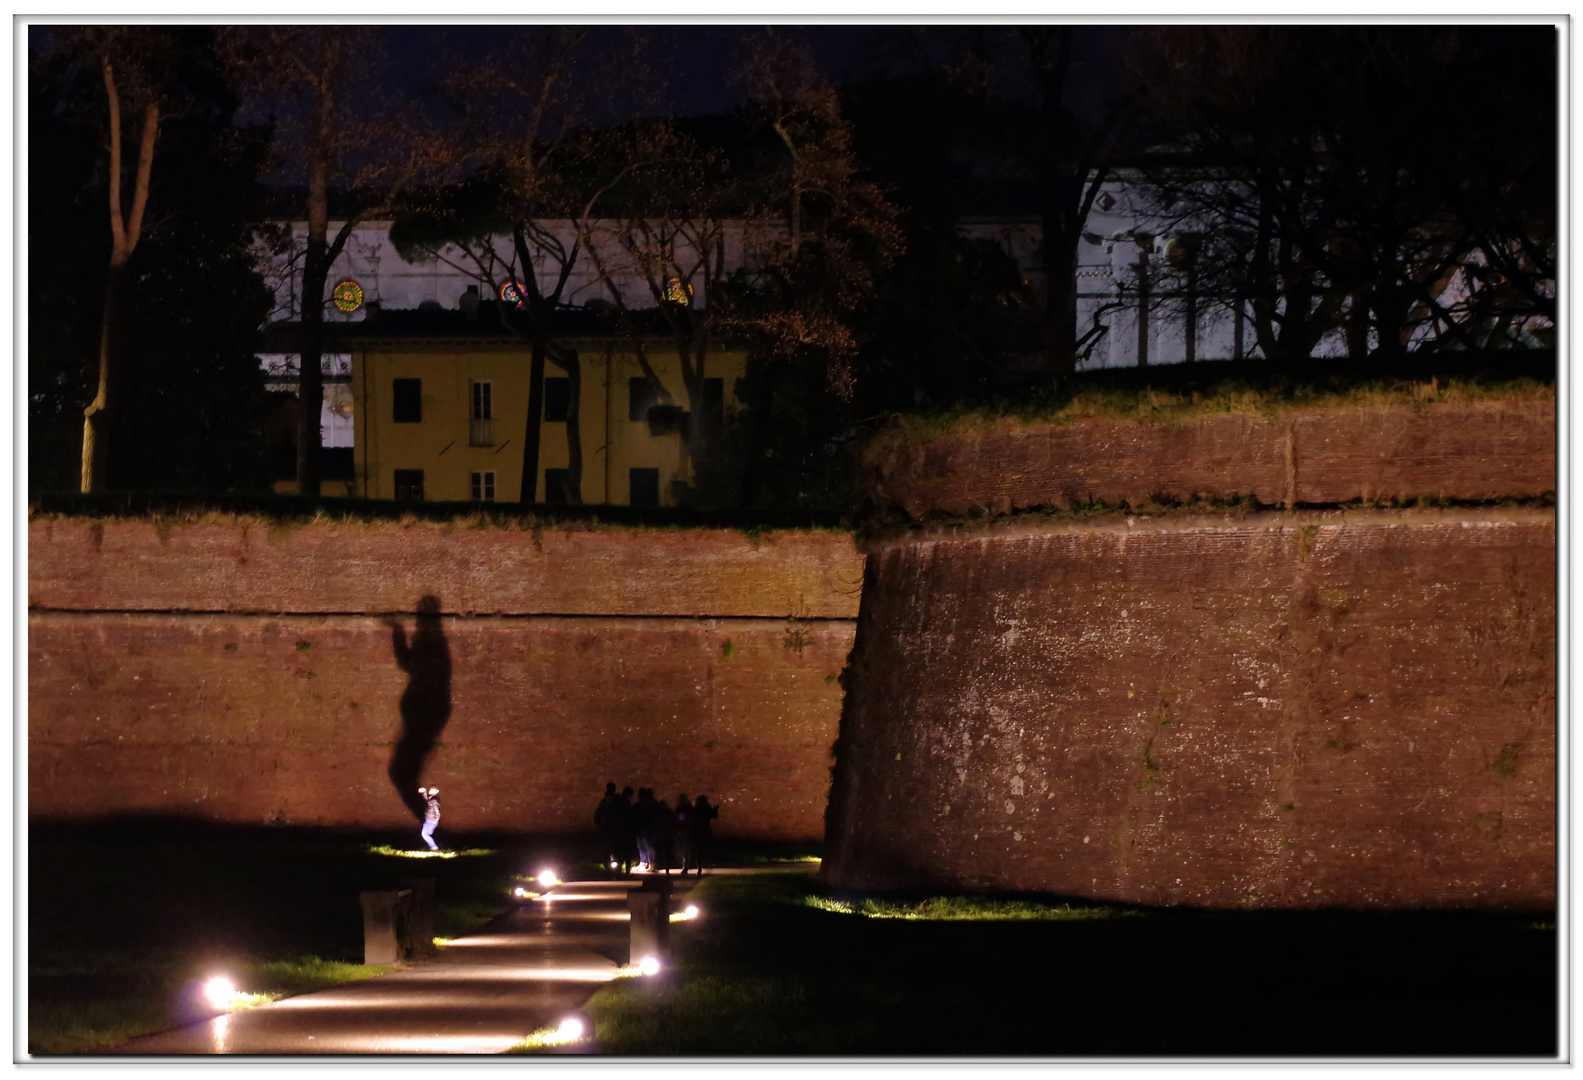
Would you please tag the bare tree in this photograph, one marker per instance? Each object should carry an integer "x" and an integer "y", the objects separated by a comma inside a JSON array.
[
  {"x": 772, "y": 252},
  {"x": 315, "y": 81},
  {"x": 1047, "y": 115},
  {"x": 130, "y": 61},
  {"x": 1337, "y": 186},
  {"x": 530, "y": 114}
]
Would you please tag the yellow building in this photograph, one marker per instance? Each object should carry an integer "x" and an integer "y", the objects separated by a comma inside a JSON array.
[{"x": 442, "y": 417}]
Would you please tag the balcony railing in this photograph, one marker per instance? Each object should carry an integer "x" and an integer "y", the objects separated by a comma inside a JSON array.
[{"x": 482, "y": 433}]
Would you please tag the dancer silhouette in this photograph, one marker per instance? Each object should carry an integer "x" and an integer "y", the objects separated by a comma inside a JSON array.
[{"x": 425, "y": 704}]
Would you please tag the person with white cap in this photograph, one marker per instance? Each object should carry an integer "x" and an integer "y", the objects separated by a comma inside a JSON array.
[{"x": 431, "y": 815}]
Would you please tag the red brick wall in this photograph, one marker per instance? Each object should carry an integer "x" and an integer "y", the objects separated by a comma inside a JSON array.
[
  {"x": 1285, "y": 710},
  {"x": 134, "y": 565},
  {"x": 1477, "y": 451},
  {"x": 182, "y": 704}
]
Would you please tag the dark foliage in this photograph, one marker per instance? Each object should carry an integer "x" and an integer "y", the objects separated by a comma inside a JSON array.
[
  {"x": 1392, "y": 184},
  {"x": 191, "y": 401},
  {"x": 947, "y": 318}
]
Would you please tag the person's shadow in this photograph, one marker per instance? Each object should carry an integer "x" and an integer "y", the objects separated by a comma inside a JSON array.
[{"x": 426, "y": 703}]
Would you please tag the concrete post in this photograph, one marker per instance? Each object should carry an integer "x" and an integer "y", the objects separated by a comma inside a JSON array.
[
  {"x": 420, "y": 925},
  {"x": 651, "y": 920},
  {"x": 380, "y": 944}
]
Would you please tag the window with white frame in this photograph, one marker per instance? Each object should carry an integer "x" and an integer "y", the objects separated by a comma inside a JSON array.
[
  {"x": 482, "y": 430},
  {"x": 484, "y": 486}
]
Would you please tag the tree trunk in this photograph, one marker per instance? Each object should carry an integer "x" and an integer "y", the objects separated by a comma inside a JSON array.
[
  {"x": 96, "y": 417},
  {"x": 699, "y": 429},
  {"x": 124, "y": 231},
  {"x": 753, "y": 468},
  {"x": 1143, "y": 309},
  {"x": 310, "y": 374},
  {"x": 569, "y": 360},
  {"x": 530, "y": 438},
  {"x": 1358, "y": 327},
  {"x": 1058, "y": 327},
  {"x": 1390, "y": 306},
  {"x": 315, "y": 273}
]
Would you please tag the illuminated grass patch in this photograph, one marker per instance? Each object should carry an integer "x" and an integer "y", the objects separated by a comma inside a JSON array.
[
  {"x": 960, "y": 908},
  {"x": 719, "y": 1012},
  {"x": 772, "y": 972},
  {"x": 404, "y": 853},
  {"x": 305, "y": 974},
  {"x": 79, "y": 1003},
  {"x": 265, "y": 908},
  {"x": 545, "y": 1039}
]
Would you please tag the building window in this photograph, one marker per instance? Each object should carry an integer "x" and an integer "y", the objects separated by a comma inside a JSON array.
[
  {"x": 484, "y": 486},
  {"x": 407, "y": 397},
  {"x": 558, "y": 486},
  {"x": 482, "y": 430},
  {"x": 409, "y": 482},
  {"x": 557, "y": 400},
  {"x": 645, "y": 487},
  {"x": 640, "y": 397}
]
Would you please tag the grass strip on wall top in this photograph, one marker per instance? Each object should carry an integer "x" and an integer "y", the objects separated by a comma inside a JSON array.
[
  {"x": 168, "y": 508},
  {"x": 1180, "y": 393}
]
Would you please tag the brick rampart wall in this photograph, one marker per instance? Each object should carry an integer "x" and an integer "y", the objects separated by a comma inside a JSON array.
[
  {"x": 1287, "y": 710},
  {"x": 230, "y": 674},
  {"x": 1495, "y": 449},
  {"x": 243, "y": 566}
]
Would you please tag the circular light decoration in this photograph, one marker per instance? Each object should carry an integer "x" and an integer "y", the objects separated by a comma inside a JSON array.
[
  {"x": 676, "y": 292},
  {"x": 514, "y": 293},
  {"x": 347, "y": 296}
]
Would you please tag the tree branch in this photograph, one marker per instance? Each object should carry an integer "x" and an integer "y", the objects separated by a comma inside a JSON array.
[{"x": 117, "y": 227}]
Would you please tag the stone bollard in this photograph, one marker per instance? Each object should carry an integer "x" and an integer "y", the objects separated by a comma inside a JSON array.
[
  {"x": 419, "y": 938},
  {"x": 650, "y": 905},
  {"x": 381, "y": 912}
]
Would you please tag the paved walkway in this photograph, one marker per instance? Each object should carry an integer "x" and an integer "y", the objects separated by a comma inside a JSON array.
[{"x": 483, "y": 994}]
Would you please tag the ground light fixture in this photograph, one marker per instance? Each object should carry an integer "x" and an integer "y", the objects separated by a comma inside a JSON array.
[
  {"x": 649, "y": 965},
  {"x": 573, "y": 1027},
  {"x": 548, "y": 879},
  {"x": 219, "y": 991},
  {"x": 690, "y": 912}
]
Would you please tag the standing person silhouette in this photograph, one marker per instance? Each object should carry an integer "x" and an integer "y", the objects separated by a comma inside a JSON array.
[
  {"x": 703, "y": 833},
  {"x": 431, "y": 815},
  {"x": 662, "y": 837},
  {"x": 685, "y": 853},
  {"x": 626, "y": 828},
  {"x": 605, "y": 824}
]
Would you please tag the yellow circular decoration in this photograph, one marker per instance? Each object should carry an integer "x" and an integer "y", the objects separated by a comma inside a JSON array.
[
  {"x": 677, "y": 292},
  {"x": 347, "y": 296}
]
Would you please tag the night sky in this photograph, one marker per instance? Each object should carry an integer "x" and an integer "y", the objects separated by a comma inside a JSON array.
[{"x": 696, "y": 57}]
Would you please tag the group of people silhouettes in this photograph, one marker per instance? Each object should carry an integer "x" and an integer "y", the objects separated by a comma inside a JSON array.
[{"x": 648, "y": 836}]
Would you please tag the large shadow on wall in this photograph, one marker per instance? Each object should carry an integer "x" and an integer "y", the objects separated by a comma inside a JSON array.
[{"x": 426, "y": 703}]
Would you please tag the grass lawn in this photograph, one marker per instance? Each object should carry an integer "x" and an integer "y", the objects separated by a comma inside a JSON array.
[
  {"x": 125, "y": 923},
  {"x": 776, "y": 967}
]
